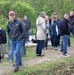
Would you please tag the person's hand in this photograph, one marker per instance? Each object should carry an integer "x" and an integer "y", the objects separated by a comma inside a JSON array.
[{"x": 52, "y": 21}]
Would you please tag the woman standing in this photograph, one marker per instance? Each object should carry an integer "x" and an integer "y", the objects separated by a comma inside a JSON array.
[{"x": 41, "y": 33}]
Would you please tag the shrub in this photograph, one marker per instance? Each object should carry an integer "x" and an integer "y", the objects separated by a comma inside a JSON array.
[
  {"x": 5, "y": 6},
  {"x": 22, "y": 9},
  {"x": 3, "y": 22}
]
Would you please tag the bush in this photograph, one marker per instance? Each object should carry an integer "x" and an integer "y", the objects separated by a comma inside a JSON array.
[
  {"x": 32, "y": 31},
  {"x": 3, "y": 22},
  {"x": 5, "y": 6},
  {"x": 22, "y": 9}
]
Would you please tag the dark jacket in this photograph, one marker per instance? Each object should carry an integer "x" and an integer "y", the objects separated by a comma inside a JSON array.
[
  {"x": 16, "y": 30},
  {"x": 28, "y": 24},
  {"x": 53, "y": 28},
  {"x": 58, "y": 25},
  {"x": 71, "y": 22},
  {"x": 2, "y": 36},
  {"x": 64, "y": 28}
]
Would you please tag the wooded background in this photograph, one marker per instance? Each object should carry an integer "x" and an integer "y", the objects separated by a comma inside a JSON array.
[{"x": 32, "y": 8}]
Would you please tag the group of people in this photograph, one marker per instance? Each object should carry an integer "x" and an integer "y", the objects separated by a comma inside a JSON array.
[
  {"x": 57, "y": 29},
  {"x": 19, "y": 30}
]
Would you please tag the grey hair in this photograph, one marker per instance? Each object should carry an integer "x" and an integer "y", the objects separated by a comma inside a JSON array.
[
  {"x": 43, "y": 14},
  {"x": 66, "y": 15}
]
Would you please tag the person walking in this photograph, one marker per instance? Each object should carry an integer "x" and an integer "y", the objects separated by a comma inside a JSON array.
[
  {"x": 41, "y": 33},
  {"x": 64, "y": 31},
  {"x": 16, "y": 32}
]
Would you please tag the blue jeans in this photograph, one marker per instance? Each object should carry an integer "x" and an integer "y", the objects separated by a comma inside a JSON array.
[
  {"x": 27, "y": 34},
  {"x": 64, "y": 44},
  {"x": 39, "y": 47},
  {"x": 72, "y": 31},
  {"x": 46, "y": 42},
  {"x": 69, "y": 42},
  {"x": 54, "y": 40},
  {"x": 23, "y": 49},
  {"x": 16, "y": 46}
]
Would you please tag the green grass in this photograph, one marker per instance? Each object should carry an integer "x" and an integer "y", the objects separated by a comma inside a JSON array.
[
  {"x": 59, "y": 67},
  {"x": 48, "y": 68},
  {"x": 72, "y": 39},
  {"x": 30, "y": 53},
  {"x": 32, "y": 31}
]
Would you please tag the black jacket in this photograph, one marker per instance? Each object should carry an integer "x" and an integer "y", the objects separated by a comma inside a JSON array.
[
  {"x": 71, "y": 22},
  {"x": 2, "y": 36},
  {"x": 28, "y": 24},
  {"x": 64, "y": 28},
  {"x": 16, "y": 30}
]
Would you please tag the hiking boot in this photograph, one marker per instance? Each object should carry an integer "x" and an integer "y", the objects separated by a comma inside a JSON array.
[
  {"x": 16, "y": 69},
  {"x": 15, "y": 65}
]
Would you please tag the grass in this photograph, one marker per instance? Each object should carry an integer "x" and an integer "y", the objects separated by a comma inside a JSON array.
[
  {"x": 30, "y": 53},
  {"x": 64, "y": 66},
  {"x": 72, "y": 39},
  {"x": 53, "y": 68}
]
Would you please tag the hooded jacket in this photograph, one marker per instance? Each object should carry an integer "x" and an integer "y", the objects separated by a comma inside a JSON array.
[{"x": 41, "y": 28}]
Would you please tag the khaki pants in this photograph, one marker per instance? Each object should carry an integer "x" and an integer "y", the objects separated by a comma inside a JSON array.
[{"x": 3, "y": 50}]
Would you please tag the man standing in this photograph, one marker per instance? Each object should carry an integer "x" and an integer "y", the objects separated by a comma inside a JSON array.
[
  {"x": 16, "y": 33},
  {"x": 28, "y": 27},
  {"x": 71, "y": 22},
  {"x": 64, "y": 31},
  {"x": 71, "y": 25}
]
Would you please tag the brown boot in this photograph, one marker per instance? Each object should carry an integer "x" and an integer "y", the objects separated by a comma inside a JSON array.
[{"x": 16, "y": 69}]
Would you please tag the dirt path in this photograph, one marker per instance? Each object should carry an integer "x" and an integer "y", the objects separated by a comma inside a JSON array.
[{"x": 6, "y": 67}]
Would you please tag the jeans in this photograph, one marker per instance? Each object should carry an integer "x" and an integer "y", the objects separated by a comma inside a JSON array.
[
  {"x": 72, "y": 31},
  {"x": 46, "y": 41},
  {"x": 54, "y": 40},
  {"x": 16, "y": 46},
  {"x": 39, "y": 47},
  {"x": 27, "y": 34},
  {"x": 64, "y": 44},
  {"x": 58, "y": 40},
  {"x": 69, "y": 42},
  {"x": 23, "y": 49}
]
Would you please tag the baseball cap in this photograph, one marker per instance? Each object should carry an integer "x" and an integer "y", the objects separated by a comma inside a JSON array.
[{"x": 11, "y": 13}]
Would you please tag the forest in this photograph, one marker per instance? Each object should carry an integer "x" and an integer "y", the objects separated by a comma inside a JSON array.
[{"x": 32, "y": 8}]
